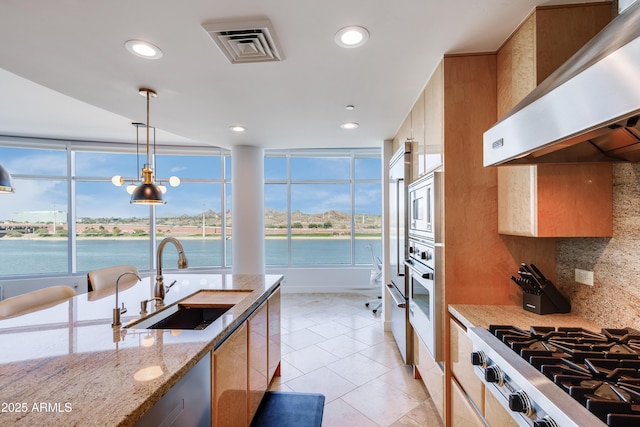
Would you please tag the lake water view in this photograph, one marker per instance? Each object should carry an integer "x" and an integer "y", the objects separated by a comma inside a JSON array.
[{"x": 38, "y": 256}]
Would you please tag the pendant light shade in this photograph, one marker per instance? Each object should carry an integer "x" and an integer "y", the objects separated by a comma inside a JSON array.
[
  {"x": 6, "y": 184},
  {"x": 147, "y": 193}
]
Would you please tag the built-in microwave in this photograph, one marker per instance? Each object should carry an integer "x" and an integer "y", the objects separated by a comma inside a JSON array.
[{"x": 421, "y": 207}]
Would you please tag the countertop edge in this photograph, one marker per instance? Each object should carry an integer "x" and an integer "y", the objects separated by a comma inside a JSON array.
[{"x": 484, "y": 315}]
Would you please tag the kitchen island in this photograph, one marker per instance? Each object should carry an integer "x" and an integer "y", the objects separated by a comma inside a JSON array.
[{"x": 66, "y": 365}]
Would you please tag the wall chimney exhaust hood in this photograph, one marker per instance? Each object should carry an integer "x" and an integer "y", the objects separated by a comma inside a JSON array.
[{"x": 588, "y": 110}]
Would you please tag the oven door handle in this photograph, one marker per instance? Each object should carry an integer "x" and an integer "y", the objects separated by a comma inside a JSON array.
[
  {"x": 424, "y": 274},
  {"x": 396, "y": 296}
]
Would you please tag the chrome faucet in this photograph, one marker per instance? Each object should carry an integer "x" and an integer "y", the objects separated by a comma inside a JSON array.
[
  {"x": 160, "y": 290},
  {"x": 118, "y": 311}
]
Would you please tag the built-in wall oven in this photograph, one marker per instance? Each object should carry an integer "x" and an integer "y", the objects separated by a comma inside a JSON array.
[
  {"x": 425, "y": 297},
  {"x": 424, "y": 260}
]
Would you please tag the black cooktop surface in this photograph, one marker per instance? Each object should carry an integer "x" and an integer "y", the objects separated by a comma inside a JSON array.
[{"x": 601, "y": 370}]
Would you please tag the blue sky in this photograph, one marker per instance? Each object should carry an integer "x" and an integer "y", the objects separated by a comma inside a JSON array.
[{"x": 103, "y": 199}]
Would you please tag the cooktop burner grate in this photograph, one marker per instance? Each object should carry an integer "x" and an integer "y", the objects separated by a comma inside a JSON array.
[{"x": 599, "y": 370}]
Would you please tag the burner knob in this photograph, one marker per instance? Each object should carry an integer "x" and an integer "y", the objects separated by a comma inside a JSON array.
[
  {"x": 478, "y": 358},
  {"x": 547, "y": 421},
  {"x": 494, "y": 374},
  {"x": 520, "y": 402},
  {"x": 411, "y": 250}
]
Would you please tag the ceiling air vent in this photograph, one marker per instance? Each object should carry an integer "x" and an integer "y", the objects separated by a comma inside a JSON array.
[{"x": 247, "y": 41}]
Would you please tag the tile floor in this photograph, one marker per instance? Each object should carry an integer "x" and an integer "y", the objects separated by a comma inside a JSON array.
[{"x": 332, "y": 344}]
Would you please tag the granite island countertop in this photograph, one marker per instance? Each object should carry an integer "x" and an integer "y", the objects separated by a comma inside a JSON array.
[
  {"x": 484, "y": 315},
  {"x": 66, "y": 365}
]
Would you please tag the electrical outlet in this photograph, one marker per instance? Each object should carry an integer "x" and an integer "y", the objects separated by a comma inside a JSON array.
[{"x": 585, "y": 277}]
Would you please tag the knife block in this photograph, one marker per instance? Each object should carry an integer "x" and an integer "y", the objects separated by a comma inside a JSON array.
[{"x": 539, "y": 304}]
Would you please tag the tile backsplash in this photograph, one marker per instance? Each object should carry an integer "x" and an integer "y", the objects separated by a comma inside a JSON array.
[{"x": 614, "y": 300}]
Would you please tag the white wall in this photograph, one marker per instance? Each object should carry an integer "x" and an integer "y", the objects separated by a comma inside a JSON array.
[
  {"x": 327, "y": 280},
  {"x": 296, "y": 280},
  {"x": 623, "y": 4}
]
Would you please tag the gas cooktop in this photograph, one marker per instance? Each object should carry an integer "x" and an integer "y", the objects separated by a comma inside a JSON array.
[{"x": 600, "y": 370}]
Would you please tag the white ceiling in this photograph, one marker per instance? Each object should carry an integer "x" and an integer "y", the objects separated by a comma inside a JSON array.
[{"x": 64, "y": 71}]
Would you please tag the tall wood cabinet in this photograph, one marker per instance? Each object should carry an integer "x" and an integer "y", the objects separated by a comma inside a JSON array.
[
  {"x": 424, "y": 125},
  {"x": 550, "y": 200}
]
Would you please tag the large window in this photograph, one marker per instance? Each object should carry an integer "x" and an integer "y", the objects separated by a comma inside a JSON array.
[
  {"x": 34, "y": 218},
  {"x": 66, "y": 188},
  {"x": 322, "y": 208}
]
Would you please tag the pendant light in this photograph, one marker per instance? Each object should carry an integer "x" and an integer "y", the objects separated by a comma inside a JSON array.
[
  {"x": 6, "y": 184},
  {"x": 147, "y": 193}
]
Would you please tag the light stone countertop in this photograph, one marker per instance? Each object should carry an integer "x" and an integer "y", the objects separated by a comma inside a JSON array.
[
  {"x": 484, "y": 315},
  {"x": 66, "y": 366}
]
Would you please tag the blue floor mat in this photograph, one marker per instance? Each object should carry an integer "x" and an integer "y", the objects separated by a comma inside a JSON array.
[{"x": 284, "y": 409}]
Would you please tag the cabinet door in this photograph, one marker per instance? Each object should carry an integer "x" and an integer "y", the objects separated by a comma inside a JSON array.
[
  {"x": 274, "y": 326},
  {"x": 564, "y": 200},
  {"x": 430, "y": 372},
  {"x": 230, "y": 381},
  {"x": 462, "y": 412},
  {"x": 434, "y": 120},
  {"x": 257, "y": 346},
  {"x": 461, "y": 367},
  {"x": 188, "y": 403},
  {"x": 403, "y": 133},
  {"x": 495, "y": 413}
]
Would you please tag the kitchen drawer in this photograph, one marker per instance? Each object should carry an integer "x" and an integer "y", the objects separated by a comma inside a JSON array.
[
  {"x": 463, "y": 413},
  {"x": 461, "y": 367},
  {"x": 430, "y": 372}
]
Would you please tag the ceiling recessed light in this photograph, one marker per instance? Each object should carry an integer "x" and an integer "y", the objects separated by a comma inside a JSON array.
[
  {"x": 353, "y": 36},
  {"x": 349, "y": 107},
  {"x": 349, "y": 125},
  {"x": 237, "y": 128},
  {"x": 143, "y": 49}
]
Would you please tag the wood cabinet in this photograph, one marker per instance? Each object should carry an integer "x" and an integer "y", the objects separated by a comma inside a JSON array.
[
  {"x": 432, "y": 375},
  {"x": 570, "y": 200},
  {"x": 495, "y": 414},
  {"x": 257, "y": 359},
  {"x": 462, "y": 412},
  {"x": 543, "y": 42},
  {"x": 574, "y": 200},
  {"x": 461, "y": 367},
  {"x": 244, "y": 364},
  {"x": 424, "y": 124},
  {"x": 274, "y": 330},
  {"x": 230, "y": 380}
]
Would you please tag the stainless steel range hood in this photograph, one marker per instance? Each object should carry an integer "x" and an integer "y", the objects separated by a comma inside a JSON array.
[{"x": 588, "y": 110}]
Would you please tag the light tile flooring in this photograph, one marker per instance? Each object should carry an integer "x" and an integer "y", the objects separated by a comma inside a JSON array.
[{"x": 332, "y": 344}]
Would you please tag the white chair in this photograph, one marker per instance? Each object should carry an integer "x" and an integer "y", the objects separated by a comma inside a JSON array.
[
  {"x": 105, "y": 278},
  {"x": 35, "y": 300},
  {"x": 375, "y": 280}
]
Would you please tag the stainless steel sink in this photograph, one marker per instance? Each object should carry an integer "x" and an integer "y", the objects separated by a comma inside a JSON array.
[
  {"x": 195, "y": 312},
  {"x": 190, "y": 318},
  {"x": 180, "y": 317}
]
